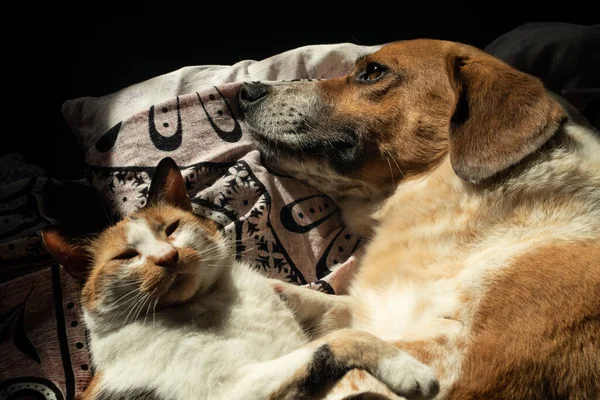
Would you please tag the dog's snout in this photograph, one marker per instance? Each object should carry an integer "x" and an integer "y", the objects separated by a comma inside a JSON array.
[{"x": 253, "y": 92}]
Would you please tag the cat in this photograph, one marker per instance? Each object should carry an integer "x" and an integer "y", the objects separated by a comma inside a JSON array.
[{"x": 172, "y": 315}]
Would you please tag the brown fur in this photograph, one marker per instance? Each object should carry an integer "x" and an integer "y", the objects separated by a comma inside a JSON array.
[
  {"x": 93, "y": 388},
  {"x": 545, "y": 344},
  {"x": 313, "y": 310},
  {"x": 447, "y": 82},
  {"x": 479, "y": 185},
  {"x": 388, "y": 124},
  {"x": 484, "y": 85}
]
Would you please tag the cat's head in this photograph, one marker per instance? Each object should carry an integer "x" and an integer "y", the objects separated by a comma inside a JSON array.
[{"x": 162, "y": 254}]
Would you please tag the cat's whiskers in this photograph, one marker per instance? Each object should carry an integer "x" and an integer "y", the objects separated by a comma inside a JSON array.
[
  {"x": 245, "y": 251},
  {"x": 220, "y": 257},
  {"x": 212, "y": 247},
  {"x": 138, "y": 308},
  {"x": 225, "y": 266},
  {"x": 141, "y": 307},
  {"x": 149, "y": 304},
  {"x": 137, "y": 298},
  {"x": 214, "y": 254},
  {"x": 129, "y": 283},
  {"x": 243, "y": 242},
  {"x": 114, "y": 303},
  {"x": 154, "y": 311},
  {"x": 216, "y": 257}
]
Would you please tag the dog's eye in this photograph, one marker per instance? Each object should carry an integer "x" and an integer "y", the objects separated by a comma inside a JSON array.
[
  {"x": 172, "y": 228},
  {"x": 127, "y": 255},
  {"x": 373, "y": 72}
]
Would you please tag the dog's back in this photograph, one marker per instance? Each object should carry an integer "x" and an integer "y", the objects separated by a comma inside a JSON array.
[
  {"x": 537, "y": 324},
  {"x": 497, "y": 288}
]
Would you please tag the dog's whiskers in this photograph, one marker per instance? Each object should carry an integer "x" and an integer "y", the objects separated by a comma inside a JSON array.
[
  {"x": 391, "y": 172},
  {"x": 396, "y": 162}
]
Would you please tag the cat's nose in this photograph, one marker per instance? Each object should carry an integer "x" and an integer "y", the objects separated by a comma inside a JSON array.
[{"x": 168, "y": 259}]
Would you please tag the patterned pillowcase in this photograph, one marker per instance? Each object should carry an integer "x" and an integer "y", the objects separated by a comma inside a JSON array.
[{"x": 280, "y": 226}]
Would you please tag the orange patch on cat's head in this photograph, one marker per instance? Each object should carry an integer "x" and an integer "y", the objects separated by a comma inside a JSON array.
[
  {"x": 102, "y": 267},
  {"x": 163, "y": 212},
  {"x": 148, "y": 252},
  {"x": 173, "y": 283}
]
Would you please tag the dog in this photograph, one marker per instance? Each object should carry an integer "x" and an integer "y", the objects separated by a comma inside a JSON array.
[{"x": 480, "y": 196}]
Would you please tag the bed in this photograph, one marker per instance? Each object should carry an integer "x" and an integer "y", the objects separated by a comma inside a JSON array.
[{"x": 282, "y": 227}]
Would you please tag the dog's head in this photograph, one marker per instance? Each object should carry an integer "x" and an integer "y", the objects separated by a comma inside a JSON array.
[{"x": 400, "y": 112}]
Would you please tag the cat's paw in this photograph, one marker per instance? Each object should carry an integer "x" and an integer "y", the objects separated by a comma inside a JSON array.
[{"x": 407, "y": 377}]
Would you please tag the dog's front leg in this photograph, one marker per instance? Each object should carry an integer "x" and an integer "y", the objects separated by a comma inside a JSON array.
[
  {"x": 318, "y": 313},
  {"x": 311, "y": 371}
]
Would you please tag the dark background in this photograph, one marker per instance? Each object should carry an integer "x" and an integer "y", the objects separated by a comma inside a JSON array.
[{"x": 57, "y": 53}]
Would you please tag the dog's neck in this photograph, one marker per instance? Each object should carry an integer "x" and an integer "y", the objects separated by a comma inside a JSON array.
[
  {"x": 564, "y": 171},
  {"x": 437, "y": 224},
  {"x": 364, "y": 205},
  {"x": 357, "y": 200}
]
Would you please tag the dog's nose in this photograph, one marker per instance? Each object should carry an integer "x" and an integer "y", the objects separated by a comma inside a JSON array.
[{"x": 253, "y": 92}]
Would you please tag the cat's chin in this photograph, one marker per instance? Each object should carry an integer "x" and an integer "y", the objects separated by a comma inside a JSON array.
[{"x": 183, "y": 288}]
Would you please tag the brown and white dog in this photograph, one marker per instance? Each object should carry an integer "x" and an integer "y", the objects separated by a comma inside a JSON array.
[{"x": 481, "y": 198}]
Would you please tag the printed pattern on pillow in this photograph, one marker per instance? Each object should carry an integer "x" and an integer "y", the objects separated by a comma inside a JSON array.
[{"x": 280, "y": 226}]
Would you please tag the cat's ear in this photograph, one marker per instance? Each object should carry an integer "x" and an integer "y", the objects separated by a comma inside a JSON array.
[
  {"x": 168, "y": 186},
  {"x": 73, "y": 256}
]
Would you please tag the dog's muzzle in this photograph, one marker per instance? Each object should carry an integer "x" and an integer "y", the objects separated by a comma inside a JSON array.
[{"x": 251, "y": 94}]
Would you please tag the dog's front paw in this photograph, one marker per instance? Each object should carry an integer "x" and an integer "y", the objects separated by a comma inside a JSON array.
[{"x": 407, "y": 377}]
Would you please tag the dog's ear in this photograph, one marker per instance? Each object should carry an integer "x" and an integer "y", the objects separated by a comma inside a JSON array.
[
  {"x": 168, "y": 186},
  {"x": 501, "y": 115},
  {"x": 73, "y": 256}
]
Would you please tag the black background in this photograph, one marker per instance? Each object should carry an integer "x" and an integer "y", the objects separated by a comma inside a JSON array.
[{"x": 58, "y": 52}]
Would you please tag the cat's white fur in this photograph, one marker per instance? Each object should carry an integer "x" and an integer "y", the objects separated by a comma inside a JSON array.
[{"x": 235, "y": 338}]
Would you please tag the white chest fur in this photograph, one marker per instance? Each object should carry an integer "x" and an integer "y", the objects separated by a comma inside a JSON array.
[{"x": 194, "y": 351}]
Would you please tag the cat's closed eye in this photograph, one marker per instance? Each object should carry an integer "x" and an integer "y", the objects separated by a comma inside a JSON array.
[
  {"x": 172, "y": 228},
  {"x": 127, "y": 255}
]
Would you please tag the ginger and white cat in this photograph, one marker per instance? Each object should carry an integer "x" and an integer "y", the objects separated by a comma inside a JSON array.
[{"x": 171, "y": 315}]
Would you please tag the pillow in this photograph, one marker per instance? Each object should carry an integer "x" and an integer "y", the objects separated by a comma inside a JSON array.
[
  {"x": 282, "y": 227},
  {"x": 90, "y": 117}
]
